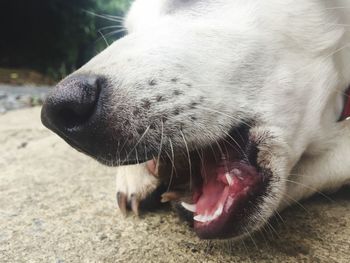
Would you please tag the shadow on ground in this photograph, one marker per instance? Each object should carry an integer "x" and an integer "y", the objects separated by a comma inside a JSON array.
[{"x": 57, "y": 205}]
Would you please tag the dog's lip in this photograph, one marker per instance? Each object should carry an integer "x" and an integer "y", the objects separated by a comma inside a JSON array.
[{"x": 108, "y": 162}]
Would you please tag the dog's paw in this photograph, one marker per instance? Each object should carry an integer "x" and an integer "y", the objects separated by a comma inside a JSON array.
[{"x": 138, "y": 188}]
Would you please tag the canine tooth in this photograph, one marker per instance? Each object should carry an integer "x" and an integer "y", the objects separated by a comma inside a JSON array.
[
  {"x": 229, "y": 179},
  {"x": 200, "y": 218},
  {"x": 219, "y": 211},
  {"x": 209, "y": 218},
  {"x": 189, "y": 207},
  {"x": 203, "y": 218}
]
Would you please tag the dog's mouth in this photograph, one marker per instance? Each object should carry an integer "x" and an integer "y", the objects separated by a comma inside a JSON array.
[
  {"x": 226, "y": 184},
  {"x": 217, "y": 187},
  {"x": 221, "y": 200}
]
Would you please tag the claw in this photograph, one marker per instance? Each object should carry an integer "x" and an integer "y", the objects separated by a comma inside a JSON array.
[
  {"x": 169, "y": 196},
  {"x": 135, "y": 204},
  {"x": 122, "y": 201}
]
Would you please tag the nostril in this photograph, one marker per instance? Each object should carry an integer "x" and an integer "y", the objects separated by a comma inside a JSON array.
[{"x": 69, "y": 118}]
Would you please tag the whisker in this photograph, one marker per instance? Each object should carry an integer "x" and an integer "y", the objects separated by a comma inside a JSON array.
[
  {"x": 246, "y": 249},
  {"x": 267, "y": 223},
  {"x": 113, "y": 33},
  {"x": 115, "y": 17},
  {"x": 161, "y": 141},
  {"x": 109, "y": 27},
  {"x": 106, "y": 17},
  {"x": 294, "y": 201},
  {"x": 201, "y": 158},
  {"x": 236, "y": 143},
  {"x": 104, "y": 38},
  {"x": 309, "y": 187},
  {"x": 173, "y": 168},
  {"x": 189, "y": 158},
  {"x": 251, "y": 237},
  {"x": 137, "y": 143}
]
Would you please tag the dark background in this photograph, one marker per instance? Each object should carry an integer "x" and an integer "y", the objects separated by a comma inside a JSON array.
[{"x": 55, "y": 37}]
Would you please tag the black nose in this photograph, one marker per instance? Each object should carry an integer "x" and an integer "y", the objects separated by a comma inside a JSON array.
[
  {"x": 86, "y": 112},
  {"x": 71, "y": 104}
]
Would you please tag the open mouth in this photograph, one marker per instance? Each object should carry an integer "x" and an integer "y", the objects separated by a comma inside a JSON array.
[
  {"x": 226, "y": 185},
  {"x": 221, "y": 183}
]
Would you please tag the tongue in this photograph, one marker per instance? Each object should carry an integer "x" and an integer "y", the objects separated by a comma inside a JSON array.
[
  {"x": 229, "y": 180},
  {"x": 211, "y": 197}
]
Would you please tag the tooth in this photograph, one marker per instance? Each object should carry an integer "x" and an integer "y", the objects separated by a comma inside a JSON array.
[
  {"x": 210, "y": 218},
  {"x": 229, "y": 179},
  {"x": 200, "y": 218},
  {"x": 219, "y": 211},
  {"x": 206, "y": 218},
  {"x": 236, "y": 171},
  {"x": 203, "y": 218},
  {"x": 189, "y": 207},
  {"x": 238, "y": 174}
]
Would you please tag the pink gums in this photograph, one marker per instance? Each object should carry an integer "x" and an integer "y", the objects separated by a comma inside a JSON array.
[{"x": 227, "y": 187}]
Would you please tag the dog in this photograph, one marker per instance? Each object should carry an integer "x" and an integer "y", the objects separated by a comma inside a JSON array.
[{"x": 231, "y": 110}]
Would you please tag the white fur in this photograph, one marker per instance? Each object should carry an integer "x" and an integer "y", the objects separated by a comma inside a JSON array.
[
  {"x": 285, "y": 63},
  {"x": 135, "y": 179}
]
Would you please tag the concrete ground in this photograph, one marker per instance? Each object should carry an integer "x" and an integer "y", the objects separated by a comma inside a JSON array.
[{"x": 57, "y": 205}]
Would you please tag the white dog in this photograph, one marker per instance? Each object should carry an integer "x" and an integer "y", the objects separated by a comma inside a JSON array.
[{"x": 236, "y": 107}]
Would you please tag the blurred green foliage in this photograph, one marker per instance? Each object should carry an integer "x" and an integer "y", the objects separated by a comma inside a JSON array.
[{"x": 57, "y": 36}]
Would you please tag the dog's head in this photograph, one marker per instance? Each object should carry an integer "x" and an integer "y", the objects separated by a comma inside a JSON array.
[{"x": 227, "y": 94}]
